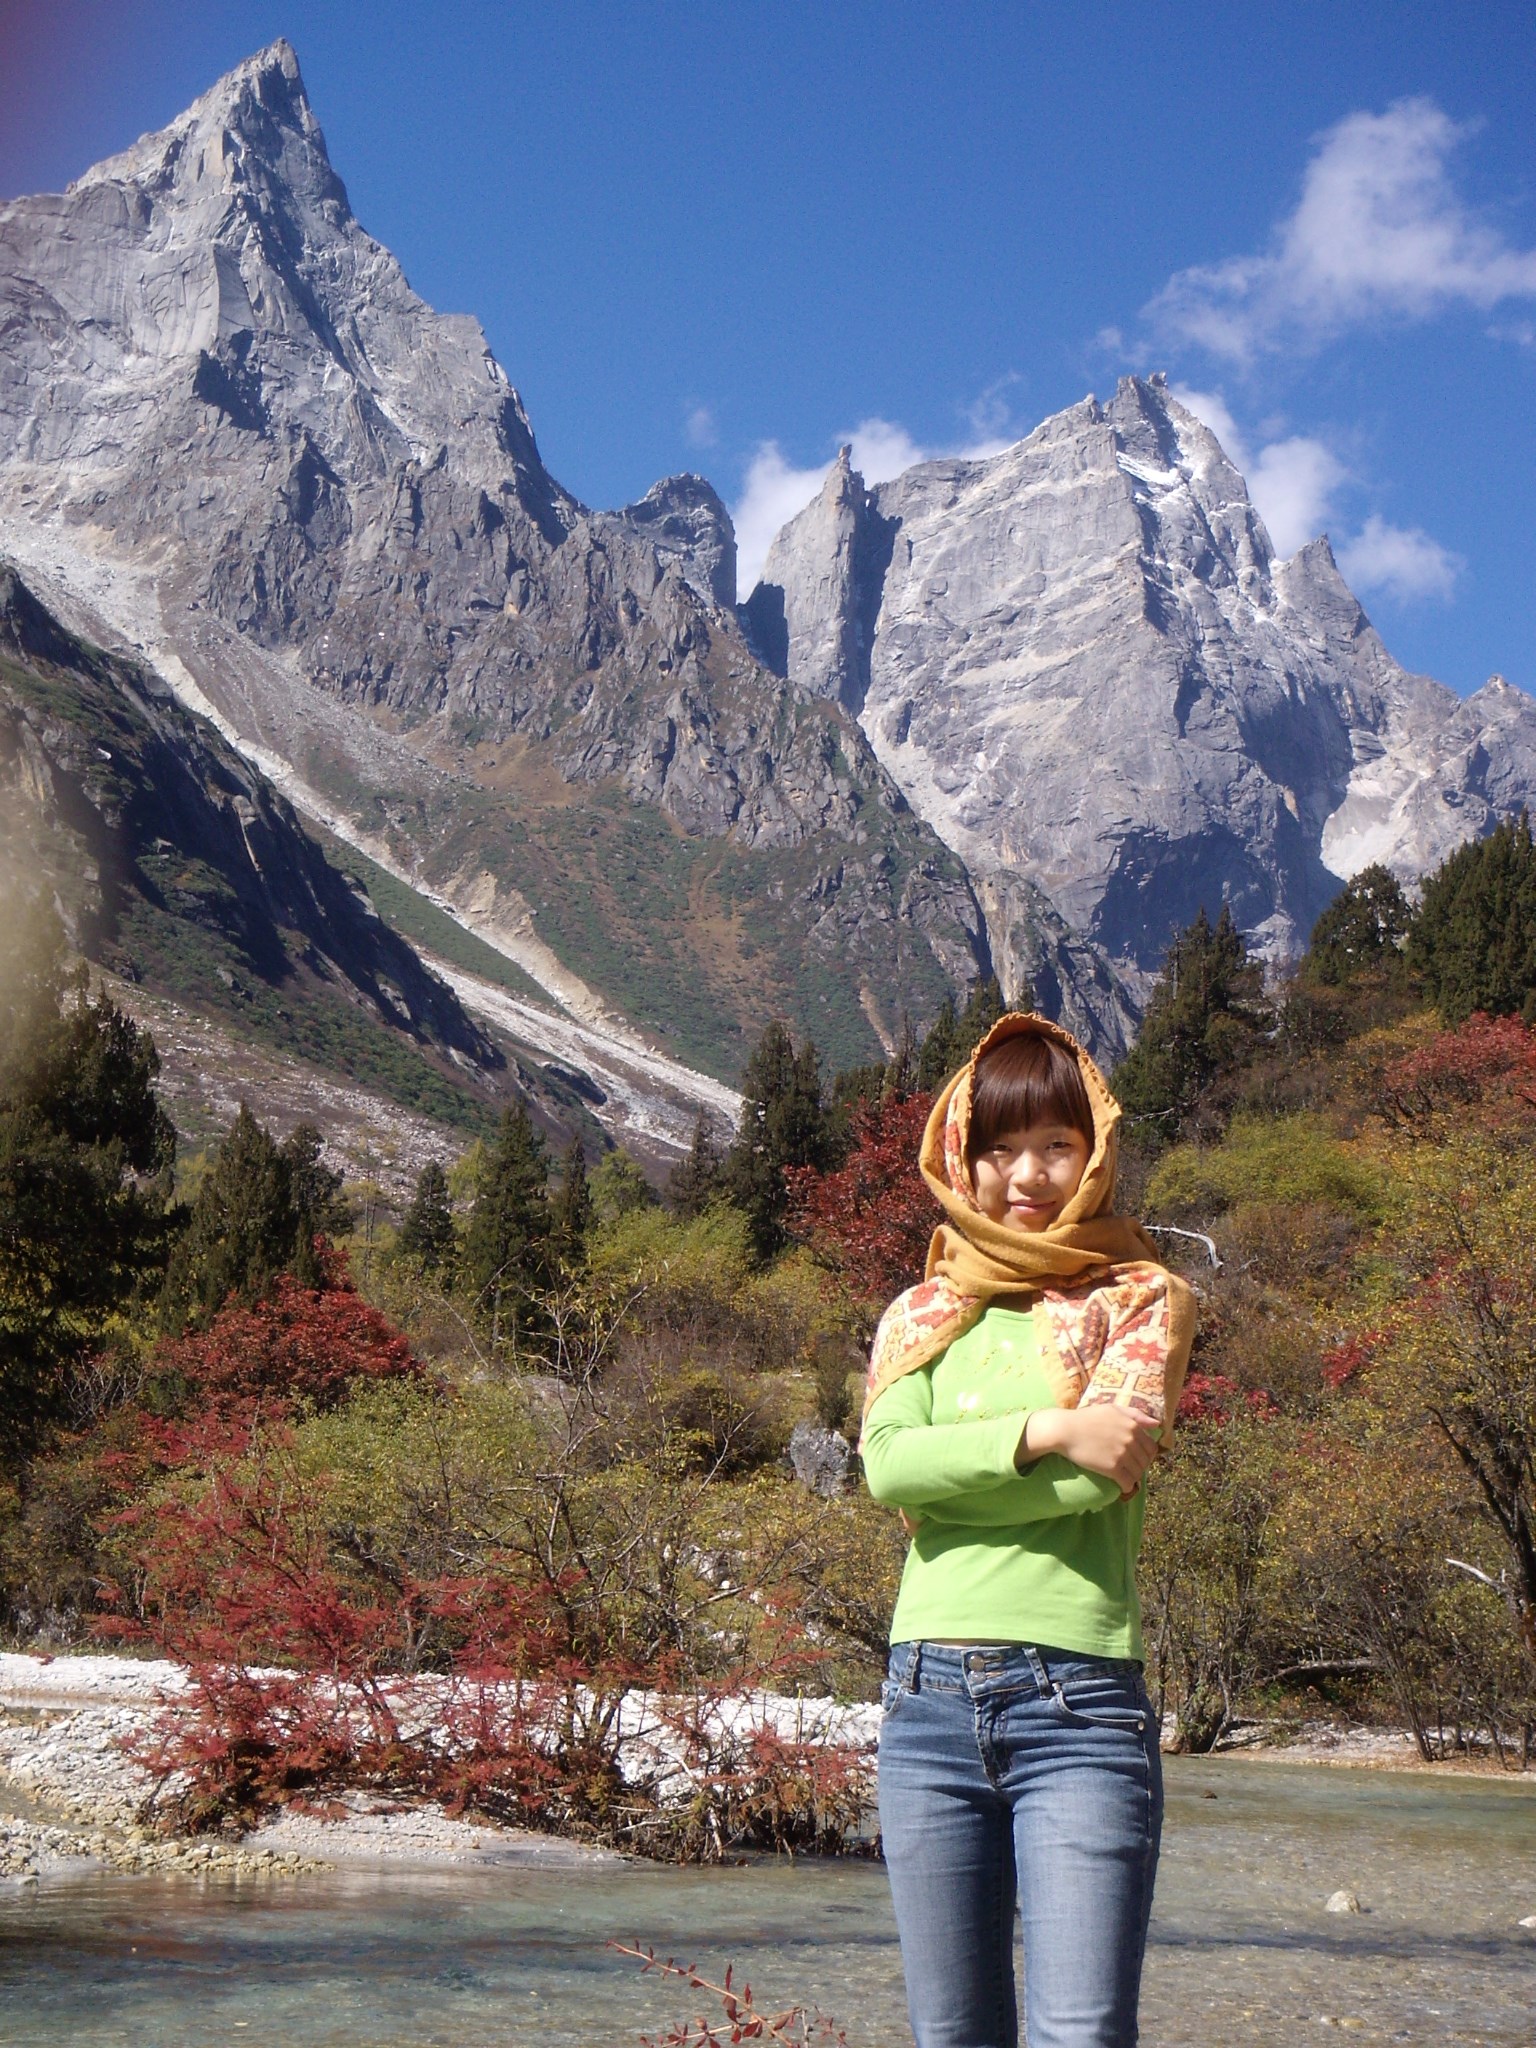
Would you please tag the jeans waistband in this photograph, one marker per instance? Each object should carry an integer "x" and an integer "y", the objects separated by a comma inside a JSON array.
[{"x": 998, "y": 1667}]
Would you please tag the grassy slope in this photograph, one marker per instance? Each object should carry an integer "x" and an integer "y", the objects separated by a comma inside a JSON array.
[
  {"x": 169, "y": 918},
  {"x": 425, "y": 925},
  {"x": 696, "y": 940}
]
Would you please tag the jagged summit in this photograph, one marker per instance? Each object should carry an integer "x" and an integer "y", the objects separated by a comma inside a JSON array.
[
  {"x": 232, "y": 431},
  {"x": 257, "y": 111},
  {"x": 225, "y": 242},
  {"x": 1084, "y": 664}
]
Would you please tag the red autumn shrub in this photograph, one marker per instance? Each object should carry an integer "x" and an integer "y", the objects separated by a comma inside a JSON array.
[
  {"x": 1345, "y": 1360},
  {"x": 299, "y": 1344},
  {"x": 1485, "y": 1069},
  {"x": 1214, "y": 1397},
  {"x": 869, "y": 1222}
]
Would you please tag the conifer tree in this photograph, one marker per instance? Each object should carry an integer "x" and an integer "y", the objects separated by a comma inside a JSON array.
[
  {"x": 244, "y": 1227},
  {"x": 983, "y": 1006},
  {"x": 1473, "y": 941},
  {"x": 618, "y": 1187},
  {"x": 901, "y": 1068},
  {"x": 784, "y": 1122},
  {"x": 695, "y": 1182},
  {"x": 1207, "y": 1015},
  {"x": 1363, "y": 931},
  {"x": 85, "y": 1157},
  {"x": 314, "y": 1189},
  {"x": 507, "y": 1254},
  {"x": 952, "y": 1037},
  {"x": 571, "y": 1210},
  {"x": 939, "y": 1054},
  {"x": 426, "y": 1232}
]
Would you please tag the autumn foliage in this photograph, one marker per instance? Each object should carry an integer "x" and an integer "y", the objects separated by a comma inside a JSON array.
[
  {"x": 869, "y": 1221},
  {"x": 299, "y": 1344}
]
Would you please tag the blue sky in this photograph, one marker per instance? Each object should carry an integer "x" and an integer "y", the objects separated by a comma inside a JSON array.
[{"x": 723, "y": 237}]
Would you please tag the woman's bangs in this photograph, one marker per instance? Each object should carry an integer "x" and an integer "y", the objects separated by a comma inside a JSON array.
[{"x": 1023, "y": 1082}]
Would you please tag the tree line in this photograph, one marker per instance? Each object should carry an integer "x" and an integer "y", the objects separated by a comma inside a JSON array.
[{"x": 555, "y": 1382}]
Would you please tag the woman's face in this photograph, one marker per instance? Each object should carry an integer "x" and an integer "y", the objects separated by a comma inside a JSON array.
[{"x": 1026, "y": 1178}]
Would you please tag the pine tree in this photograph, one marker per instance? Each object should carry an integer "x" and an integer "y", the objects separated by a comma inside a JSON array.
[
  {"x": 1363, "y": 931},
  {"x": 1473, "y": 941},
  {"x": 85, "y": 1158},
  {"x": 315, "y": 1192},
  {"x": 901, "y": 1068},
  {"x": 952, "y": 1038},
  {"x": 507, "y": 1257},
  {"x": 983, "y": 1006},
  {"x": 1207, "y": 1015},
  {"x": 695, "y": 1182},
  {"x": 618, "y": 1187},
  {"x": 784, "y": 1122},
  {"x": 244, "y": 1227},
  {"x": 940, "y": 1053},
  {"x": 426, "y": 1233},
  {"x": 571, "y": 1210}
]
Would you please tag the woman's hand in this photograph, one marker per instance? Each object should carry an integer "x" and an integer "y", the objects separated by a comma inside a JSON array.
[{"x": 1102, "y": 1438}]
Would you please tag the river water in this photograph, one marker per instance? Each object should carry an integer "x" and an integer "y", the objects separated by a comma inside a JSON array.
[{"x": 1243, "y": 1954}]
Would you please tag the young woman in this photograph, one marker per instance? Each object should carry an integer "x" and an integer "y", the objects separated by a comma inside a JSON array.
[{"x": 1015, "y": 1401}]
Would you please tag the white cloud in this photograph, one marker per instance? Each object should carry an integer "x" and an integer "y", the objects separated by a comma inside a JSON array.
[
  {"x": 700, "y": 427},
  {"x": 1380, "y": 230},
  {"x": 882, "y": 449},
  {"x": 1212, "y": 409},
  {"x": 1295, "y": 482},
  {"x": 1402, "y": 561},
  {"x": 990, "y": 417},
  {"x": 773, "y": 493},
  {"x": 774, "y": 490}
]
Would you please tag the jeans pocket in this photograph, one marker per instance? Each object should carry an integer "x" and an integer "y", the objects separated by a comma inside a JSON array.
[
  {"x": 892, "y": 1693},
  {"x": 1103, "y": 1706}
]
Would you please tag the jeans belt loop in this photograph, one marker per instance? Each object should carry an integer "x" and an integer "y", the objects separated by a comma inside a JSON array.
[
  {"x": 914, "y": 1663},
  {"x": 1038, "y": 1672}
]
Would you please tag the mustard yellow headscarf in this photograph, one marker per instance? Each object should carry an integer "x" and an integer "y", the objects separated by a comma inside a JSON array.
[{"x": 1114, "y": 1322}]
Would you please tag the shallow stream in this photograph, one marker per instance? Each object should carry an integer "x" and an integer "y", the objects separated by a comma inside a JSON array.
[{"x": 1243, "y": 1954}]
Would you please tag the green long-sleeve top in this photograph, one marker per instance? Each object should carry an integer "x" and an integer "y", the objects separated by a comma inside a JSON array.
[{"x": 1046, "y": 1555}]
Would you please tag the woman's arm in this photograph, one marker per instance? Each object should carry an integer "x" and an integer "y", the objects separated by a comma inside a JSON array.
[
  {"x": 970, "y": 1471},
  {"x": 1052, "y": 1487}
]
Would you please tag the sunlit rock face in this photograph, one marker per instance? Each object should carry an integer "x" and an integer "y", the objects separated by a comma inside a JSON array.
[
  {"x": 1085, "y": 668},
  {"x": 209, "y": 355}
]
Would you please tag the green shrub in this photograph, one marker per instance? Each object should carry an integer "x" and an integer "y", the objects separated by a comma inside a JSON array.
[{"x": 1294, "y": 1159}]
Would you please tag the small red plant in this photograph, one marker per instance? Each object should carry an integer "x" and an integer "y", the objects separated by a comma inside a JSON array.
[
  {"x": 1213, "y": 1397},
  {"x": 740, "y": 2018}
]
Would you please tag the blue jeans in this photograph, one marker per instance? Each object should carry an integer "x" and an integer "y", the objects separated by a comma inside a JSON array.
[{"x": 1017, "y": 1774}]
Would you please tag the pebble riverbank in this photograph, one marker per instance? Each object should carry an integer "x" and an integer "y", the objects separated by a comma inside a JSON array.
[
  {"x": 80, "y": 1798},
  {"x": 72, "y": 1798},
  {"x": 71, "y": 1795}
]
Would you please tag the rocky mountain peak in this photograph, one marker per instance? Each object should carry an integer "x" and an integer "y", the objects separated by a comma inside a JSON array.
[
  {"x": 686, "y": 521},
  {"x": 1082, "y": 662},
  {"x": 231, "y": 431},
  {"x": 808, "y": 616},
  {"x": 255, "y": 125}
]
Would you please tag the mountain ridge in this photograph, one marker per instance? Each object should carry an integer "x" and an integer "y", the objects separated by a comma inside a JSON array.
[
  {"x": 319, "y": 505},
  {"x": 1105, "y": 590},
  {"x": 1024, "y": 713}
]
